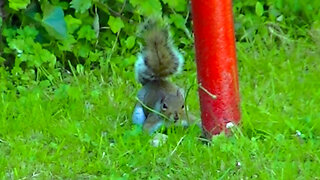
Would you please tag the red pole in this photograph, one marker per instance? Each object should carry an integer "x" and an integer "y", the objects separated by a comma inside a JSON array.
[{"x": 216, "y": 63}]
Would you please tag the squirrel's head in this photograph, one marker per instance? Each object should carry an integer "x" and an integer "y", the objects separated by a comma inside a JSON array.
[{"x": 172, "y": 105}]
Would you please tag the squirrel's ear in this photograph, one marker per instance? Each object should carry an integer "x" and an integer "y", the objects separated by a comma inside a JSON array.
[
  {"x": 162, "y": 99},
  {"x": 180, "y": 92}
]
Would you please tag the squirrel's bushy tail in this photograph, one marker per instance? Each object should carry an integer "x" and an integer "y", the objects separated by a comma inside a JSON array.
[{"x": 159, "y": 58}]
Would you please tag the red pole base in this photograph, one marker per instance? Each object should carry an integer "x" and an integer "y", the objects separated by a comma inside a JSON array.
[{"x": 216, "y": 63}]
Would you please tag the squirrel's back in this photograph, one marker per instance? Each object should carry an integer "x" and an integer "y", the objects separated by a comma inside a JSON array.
[{"x": 159, "y": 58}]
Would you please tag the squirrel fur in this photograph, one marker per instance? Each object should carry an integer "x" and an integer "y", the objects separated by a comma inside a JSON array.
[{"x": 158, "y": 60}]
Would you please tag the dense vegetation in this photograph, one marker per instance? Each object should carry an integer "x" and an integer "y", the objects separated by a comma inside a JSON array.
[{"x": 67, "y": 90}]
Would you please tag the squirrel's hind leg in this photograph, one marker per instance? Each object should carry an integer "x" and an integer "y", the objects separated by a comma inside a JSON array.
[{"x": 138, "y": 116}]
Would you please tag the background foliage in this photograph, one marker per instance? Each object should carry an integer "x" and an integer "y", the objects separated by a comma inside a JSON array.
[
  {"x": 41, "y": 39},
  {"x": 66, "y": 82}
]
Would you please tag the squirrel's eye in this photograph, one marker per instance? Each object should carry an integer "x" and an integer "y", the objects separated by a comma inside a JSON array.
[
  {"x": 182, "y": 107},
  {"x": 164, "y": 106}
]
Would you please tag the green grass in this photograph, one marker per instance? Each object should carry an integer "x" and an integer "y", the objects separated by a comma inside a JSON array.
[{"x": 80, "y": 128}]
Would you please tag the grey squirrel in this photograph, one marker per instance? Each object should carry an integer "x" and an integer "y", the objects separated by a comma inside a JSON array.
[{"x": 158, "y": 60}]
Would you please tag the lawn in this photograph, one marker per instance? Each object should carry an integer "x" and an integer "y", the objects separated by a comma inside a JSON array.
[{"x": 80, "y": 126}]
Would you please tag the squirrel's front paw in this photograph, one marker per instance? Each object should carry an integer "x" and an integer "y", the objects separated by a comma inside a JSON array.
[{"x": 159, "y": 139}]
